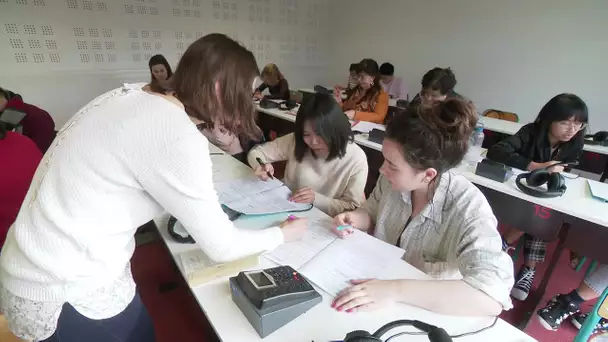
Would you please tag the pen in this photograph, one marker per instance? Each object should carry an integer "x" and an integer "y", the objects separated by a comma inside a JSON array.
[
  {"x": 262, "y": 164},
  {"x": 291, "y": 218}
]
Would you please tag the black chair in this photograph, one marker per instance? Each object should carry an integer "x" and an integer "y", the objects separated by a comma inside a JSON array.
[{"x": 402, "y": 103}]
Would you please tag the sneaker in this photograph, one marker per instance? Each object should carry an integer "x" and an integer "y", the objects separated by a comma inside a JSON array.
[
  {"x": 522, "y": 286},
  {"x": 506, "y": 247},
  {"x": 556, "y": 311},
  {"x": 579, "y": 319}
]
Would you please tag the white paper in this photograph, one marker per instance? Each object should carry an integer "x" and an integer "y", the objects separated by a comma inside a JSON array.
[
  {"x": 224, "y": 169},
  {"x": 267, "y": 202},
  {"x": 234, "y": 190},
  {"x": 598, "y": 190},
  {"x": 297, "y": 253},
  {"x": 195, "y": 260},
  {"x": 366, "y": 127},
  {"x": 358, "y": 256}
]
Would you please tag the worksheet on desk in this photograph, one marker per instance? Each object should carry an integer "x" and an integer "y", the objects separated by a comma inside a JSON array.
[
  {"x": 234, "y": 190},
  {"x": 268, "y": 202},
  {"x": 358, "y": 256},
  {"x": 297, "y": 253}
]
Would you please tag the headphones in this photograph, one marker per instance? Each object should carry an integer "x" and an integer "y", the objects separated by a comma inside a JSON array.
[
  {"x": 283, "y": 105},
  {"x": 435, "y": 334},
  {"x": 599, "y": 138},
  {"x": 556, "y": 183}
]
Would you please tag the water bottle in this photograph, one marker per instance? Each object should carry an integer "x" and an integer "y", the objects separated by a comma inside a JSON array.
[{"x": 473, "y": 155}]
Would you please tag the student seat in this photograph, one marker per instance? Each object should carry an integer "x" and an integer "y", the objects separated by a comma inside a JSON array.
[{"x": 594, "y": 317}]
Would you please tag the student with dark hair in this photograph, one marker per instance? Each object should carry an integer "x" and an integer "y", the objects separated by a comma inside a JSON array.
[
  {"x": 391, "y": 84},
  {"x": 557, "y": 135},
  {"x": 568, "y": 305},
  {"x": 20, "y": 158},
  {"x": 442, "y": 221},
  {"x": 324, "y": 165},
  {"x": 236, "y": 145},
  {"x": 160, "y": 73},
  {"x": 37, "y": 125},
  {"x": 437, "y": 85},
  {"x": 367, "y": 101},
  {"x": 353, "y": 80},
  {"x": 275, "y": 82},
  {"x": 65, "y": 267}
]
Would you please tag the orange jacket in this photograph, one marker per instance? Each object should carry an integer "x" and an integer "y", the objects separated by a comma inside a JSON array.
[{"x": 372, "y": 112}]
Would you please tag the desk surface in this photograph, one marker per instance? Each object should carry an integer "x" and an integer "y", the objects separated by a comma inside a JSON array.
[{"x": 322, "y": 323}]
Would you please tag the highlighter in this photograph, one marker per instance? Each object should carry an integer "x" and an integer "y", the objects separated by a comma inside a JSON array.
[{"x": 344, "y": 227}]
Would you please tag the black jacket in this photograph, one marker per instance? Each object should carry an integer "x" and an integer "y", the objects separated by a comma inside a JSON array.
[
  {"x": 280, "y": 91},
  {"x": 528, "y": 146}
]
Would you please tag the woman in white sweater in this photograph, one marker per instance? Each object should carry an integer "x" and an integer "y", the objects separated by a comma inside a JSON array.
[
  {"x": 122, "y": 160},
  {"x": 324, "y": 165}
]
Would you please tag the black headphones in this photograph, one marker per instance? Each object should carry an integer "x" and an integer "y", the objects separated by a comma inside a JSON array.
[
  {"x": 556, "y": 183},
  {"x": 599, "y": 138},
  {"x": 435, "y": 334}
]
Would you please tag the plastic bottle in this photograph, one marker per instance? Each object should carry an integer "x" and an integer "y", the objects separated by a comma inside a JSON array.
[{"x": 476, "y": 141}]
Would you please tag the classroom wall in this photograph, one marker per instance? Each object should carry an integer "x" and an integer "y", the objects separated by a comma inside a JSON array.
[
  {"x": 511, "y": 55},
  {"x": 59, "y": 54}
]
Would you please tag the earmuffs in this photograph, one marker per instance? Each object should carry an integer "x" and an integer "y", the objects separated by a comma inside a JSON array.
[
  {"x": 556, "y": 183},
  {"x": 599, "y": 138}
]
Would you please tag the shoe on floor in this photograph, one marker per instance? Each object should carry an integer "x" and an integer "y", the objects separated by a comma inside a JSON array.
[
  {"x": 558, "y": 309},
  {"x": 522, "y": 286},
  {"x": 506, "y": 247},
  {"x": 579, "y": 319}
]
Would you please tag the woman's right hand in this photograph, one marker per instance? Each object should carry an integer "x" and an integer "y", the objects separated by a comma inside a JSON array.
[
  {"x": 338, "y": 95},
  {"x": 350, "y": 218},
  {"x": 263, "y": 171},
  {"x": 257, "y": 96},
  {"x": 294, "y": 229}
]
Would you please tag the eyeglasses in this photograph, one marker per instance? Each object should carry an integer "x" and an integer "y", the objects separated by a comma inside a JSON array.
[{"x": 573, "y": 125}]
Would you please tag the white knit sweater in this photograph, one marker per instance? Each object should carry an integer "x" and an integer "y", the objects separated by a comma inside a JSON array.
[{"x": 121, "y": 161}]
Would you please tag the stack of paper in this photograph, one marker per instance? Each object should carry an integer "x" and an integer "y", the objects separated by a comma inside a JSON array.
[
  {"x": 251, "y": 196},
  {"x": 200, "y": 269},
  {"x": 331, "y": 262}
]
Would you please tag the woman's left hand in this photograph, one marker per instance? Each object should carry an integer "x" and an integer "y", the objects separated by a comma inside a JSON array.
[
  {"x": 350, "y": 114},
  {"x": 366, "y": 295},
  {"x": 304, "y": 195}
]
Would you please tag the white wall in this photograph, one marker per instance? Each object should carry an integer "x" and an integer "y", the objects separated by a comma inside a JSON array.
[
  {"x": 59, "y": 54},
  {"x": 507, "y": 54}
]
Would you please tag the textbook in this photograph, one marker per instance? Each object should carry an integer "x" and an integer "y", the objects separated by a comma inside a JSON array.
[
  {"x": 199, "y": 269},
  {"x": 251, "y": 196}
]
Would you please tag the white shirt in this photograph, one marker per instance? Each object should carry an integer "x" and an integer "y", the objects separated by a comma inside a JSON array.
[
  {"x": 454, "y": 237},
  {"x": 122, "y": 160}
]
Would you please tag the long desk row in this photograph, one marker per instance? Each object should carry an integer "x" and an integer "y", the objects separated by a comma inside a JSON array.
[
  {"x": 322, "y": 323},
  {"x": 576, "y": 220}
]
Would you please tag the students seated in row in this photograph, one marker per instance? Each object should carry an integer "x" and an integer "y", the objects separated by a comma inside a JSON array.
[
  {"x": 557, "y": 135},
  {"x": 442, "y": 221},
  {"x": 368, "y": 101},
  {"x": 391, "y": 84},
  {"x": 236, "y": 146},
  {"x": 437, "y": 85},
  {"x": 20, "y": 158},
  {"x": 564, "y": 306},
  {"x": 160, "y": 72},
  {"x": 37, "y": 125},
  {"x": 324, "y": 165},
  {"x": 275, "y": 82}
]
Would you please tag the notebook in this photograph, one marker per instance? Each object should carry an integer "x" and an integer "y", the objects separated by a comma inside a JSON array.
[
  {"x": 199, "y": 269},
  {"x": 331, "y": 262},
  {"x": 251, "y": 196},
  {"x": 598, "y": 190}
]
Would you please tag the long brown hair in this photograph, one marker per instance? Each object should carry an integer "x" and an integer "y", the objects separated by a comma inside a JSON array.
[
  {"x": 369, "y": 67},
  {"x": 217, "y": 59}
]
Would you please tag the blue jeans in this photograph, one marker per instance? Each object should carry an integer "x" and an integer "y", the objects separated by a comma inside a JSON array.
[{"x": 131, "y": 325}]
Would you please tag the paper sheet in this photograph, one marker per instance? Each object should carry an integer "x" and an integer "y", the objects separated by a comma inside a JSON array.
[
  {"x": 236, "y": 189},
  {"x": 195, "y": 260},
  {"x": 267, "y": 202},
  {"x": 598, "y": 190},
  {"x": 224, "y": 169},
  {"x": 359, "y": 256},
  {"x": 366, "y": 127},
  {"x": 297, "y": 253}
]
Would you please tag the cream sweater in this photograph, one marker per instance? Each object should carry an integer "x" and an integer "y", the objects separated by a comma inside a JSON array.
[
  {"x": 339, "y": 184},
  {"x": 121, "y": 161}
]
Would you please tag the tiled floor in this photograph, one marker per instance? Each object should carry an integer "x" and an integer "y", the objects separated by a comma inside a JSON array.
[{"x": 177, "y": 316}]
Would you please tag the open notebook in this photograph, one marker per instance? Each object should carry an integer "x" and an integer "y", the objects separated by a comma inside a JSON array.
[
  {"x": 331, "y": 262},
  {"x": 251, "y": 196}
]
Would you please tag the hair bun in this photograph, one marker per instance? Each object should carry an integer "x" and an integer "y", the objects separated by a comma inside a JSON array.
[{"x": 453, "y": 117}]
